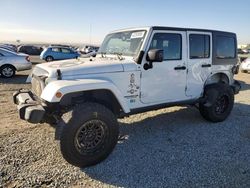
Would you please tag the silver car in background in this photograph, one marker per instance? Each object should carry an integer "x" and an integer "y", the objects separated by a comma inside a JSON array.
[
  {"x": 245, "y": 66},
  {"x": 10, "y": 62}
]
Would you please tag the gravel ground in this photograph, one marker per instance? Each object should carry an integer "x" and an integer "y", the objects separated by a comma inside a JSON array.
[{"x": 172, "y": 147}]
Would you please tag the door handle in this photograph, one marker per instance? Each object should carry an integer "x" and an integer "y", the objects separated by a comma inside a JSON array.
[
  {"x": 205, "y": 65},
  {"x": 180, "y": 68}
]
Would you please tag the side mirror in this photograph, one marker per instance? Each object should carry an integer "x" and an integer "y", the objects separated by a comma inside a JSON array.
[{"x": 155, "y": 55}]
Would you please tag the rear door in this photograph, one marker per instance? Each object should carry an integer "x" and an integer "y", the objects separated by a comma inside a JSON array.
[
  {"x": 66, "y": 53},
  {"x": 199, "y": 61}
]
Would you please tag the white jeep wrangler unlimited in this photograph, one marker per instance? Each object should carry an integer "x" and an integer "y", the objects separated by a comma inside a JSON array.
[{"x": 135, "y": 70}]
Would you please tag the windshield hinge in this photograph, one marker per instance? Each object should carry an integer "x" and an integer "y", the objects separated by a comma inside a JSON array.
[{"x": 59, "y": 74}]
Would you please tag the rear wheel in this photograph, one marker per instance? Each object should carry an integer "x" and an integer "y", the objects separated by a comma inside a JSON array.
[
  {"x": 219, "y": 102},
  {"x": 90, "y": 135},
  {"x": 49, "y": 58},
  {"x": 7, "y": 71}
]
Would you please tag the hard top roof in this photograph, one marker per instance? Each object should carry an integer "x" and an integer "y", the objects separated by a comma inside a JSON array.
[
  {"x": 187, "y": 29},
  {"x": 172, "y": 28}
]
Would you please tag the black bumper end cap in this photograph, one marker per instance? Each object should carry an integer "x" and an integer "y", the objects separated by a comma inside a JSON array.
[{"x": 236, "y": 87}]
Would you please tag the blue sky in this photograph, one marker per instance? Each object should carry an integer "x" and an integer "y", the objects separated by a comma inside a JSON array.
[{"x": 71, "y": 21}]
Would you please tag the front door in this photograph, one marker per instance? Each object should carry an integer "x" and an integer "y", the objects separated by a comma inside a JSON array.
[{"x": 166, "y": 81}]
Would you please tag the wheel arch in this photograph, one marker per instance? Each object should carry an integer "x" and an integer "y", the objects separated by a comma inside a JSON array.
[
  {"x": 217, "y": 78},
  {"x": 48, "y": 55},
  {"x": 8, "y": 65},
  {"x": 101, "y": 96}
]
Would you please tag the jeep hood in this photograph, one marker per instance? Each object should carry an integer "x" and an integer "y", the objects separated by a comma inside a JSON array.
[{"x": 83, "y": 66}]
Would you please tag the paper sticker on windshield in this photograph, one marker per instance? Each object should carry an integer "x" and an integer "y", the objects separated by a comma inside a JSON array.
[{"x": 139, "y": 34}]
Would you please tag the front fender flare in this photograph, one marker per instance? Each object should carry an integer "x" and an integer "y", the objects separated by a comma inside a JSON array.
[{"x": 72, "y": 86}]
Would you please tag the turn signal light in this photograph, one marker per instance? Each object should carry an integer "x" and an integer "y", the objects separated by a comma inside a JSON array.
[{"x": 59, "y": 94}]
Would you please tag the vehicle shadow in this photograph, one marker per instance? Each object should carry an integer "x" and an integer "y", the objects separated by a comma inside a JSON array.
[
  {"x": 244, "y": 86},
  {"x": 35, "y": 63},
  {"x": 176, "y": 149},
  {"x": 17, "y": 79}
]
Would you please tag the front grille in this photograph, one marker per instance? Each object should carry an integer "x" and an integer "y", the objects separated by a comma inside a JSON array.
[{"x": 37, "y": 85}]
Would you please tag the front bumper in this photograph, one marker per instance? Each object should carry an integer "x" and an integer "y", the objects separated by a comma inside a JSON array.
[
  {"x": 236, "y": 86},
  {"x": 29, "y": 108}
]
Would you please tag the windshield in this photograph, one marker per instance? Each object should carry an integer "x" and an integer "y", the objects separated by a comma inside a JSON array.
[{"x": 126, "y": 43}]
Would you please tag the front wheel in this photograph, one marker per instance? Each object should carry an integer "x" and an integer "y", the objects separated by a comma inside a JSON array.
[
  {"x": 7, "y": 71},
  {"x": 49, "y": 58},
  {"x": 219, "y": 102},
  {"x": 90, "y": 135}
]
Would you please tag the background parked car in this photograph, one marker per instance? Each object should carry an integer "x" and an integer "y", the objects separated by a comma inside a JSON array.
[
  {"x": 240, "y": 51},
  {"x": 10, "y": 62},
  {"x": 245, "y": 51},
  {"x": 245, "y": 65},
  {"x": 60, "y": 45},
  {"x": 58, "y": 53},
  {"x": 30, "y": 50},
  {"x": 88, "y": 51}
]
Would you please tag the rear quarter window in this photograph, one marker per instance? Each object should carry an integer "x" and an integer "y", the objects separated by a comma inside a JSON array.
[
  {"x": 6, "y": 53},
  {"x": 67, "y": 51},
  {"x": 225, "y": 47}
]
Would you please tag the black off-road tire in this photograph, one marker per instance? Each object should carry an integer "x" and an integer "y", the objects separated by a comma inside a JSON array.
[
  {"x": 219, "y": 102},
  {"x": 78, "y": 122}
]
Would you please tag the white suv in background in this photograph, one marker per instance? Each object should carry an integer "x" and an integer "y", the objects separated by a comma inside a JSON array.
[{"x": 245, "y": 65}]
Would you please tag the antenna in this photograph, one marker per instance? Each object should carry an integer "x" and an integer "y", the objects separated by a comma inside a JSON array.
[{"x": 90, "y": 33}]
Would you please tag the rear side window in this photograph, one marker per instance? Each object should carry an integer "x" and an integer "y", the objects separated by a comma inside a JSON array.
[
  {"x": 7, "y": 53},
  {"x": 64, "y": 50},
  {"x": 225, "y": 47},
  {"x": 170, "y": 43},
  {"x": 199, "y": 46}
]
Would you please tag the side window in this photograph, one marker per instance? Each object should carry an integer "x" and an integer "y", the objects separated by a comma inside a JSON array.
[
  {"x": 225, "y": 47},
  {"x": 64, "y": 50},
  {"x": 170, "y": 43},
  {"x": 199, "y": 46},
  {"x": 56, "y": 50},
  {"x": 2, "y": 53}
]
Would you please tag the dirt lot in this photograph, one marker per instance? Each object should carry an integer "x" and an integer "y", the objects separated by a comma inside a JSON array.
[{"x": 171, "y": 147}]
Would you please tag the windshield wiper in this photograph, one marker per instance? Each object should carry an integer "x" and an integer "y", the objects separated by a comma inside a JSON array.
[
  {"x": 103, "y": 54},
  {"x": 119, "y": 55}
]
